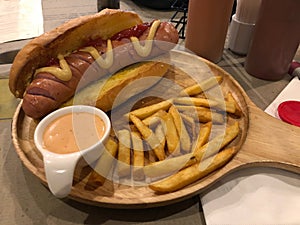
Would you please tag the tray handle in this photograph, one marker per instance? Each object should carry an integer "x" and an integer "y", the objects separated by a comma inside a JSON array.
[{"x": 270, "y": 142}]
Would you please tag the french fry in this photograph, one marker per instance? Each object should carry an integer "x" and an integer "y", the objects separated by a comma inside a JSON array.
[
  {"x": 124, "y": 152},
  {"x": 202, "y": 86},
  {"x": 190, "y": 122},
  {"x": 169, "y": 127},
  {"x": 188, "y": 108},
  {"x": 195, "y": 101},
  {"x": 192, "y": 173},
  {"x": 167, "y": 166},
  {"x": 232, "y": 100},
  {"x": 184, "y": 137},
  {"x": 201, "y": 140},
  {"x": 217, "y": 143},
  {"x": 138, "y": 156},
  {"x": 229, "y": 104},
  {"x": 151, "y": 121},
  {"x": 146, "y": 111},
  {"x": 160, "y": 134},
  {"x": 188, "y": 119},
  {"x": 172, "y": 139},
  {"x": 149, "y": 136},
  {"x": 203, "y": 136},
  {"x": 104, "y": 164},
  {"x": 222, "y": 104},
  {"x": 202, "y": 114},
  {"x": 154, "y": 119},
  {"x": 151, "y": 157},
  {"x": 170, "y": 165},
  {"x": 207, "y": 115}
]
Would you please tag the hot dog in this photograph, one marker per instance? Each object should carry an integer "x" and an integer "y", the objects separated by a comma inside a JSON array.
[{"x": 47, "y": 71}]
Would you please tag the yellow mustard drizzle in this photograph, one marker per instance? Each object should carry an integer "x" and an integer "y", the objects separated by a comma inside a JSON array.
[
  {"x": 103, "y": 62},
  {"x": 145, "y": 50},
  {"x": 63, "y": 73}
]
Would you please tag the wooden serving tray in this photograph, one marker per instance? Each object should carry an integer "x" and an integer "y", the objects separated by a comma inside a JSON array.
[{"x": 264, "y": 141}]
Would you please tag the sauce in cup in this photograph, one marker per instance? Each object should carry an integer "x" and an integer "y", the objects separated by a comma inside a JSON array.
[
  {"x": 66, "y": 135},
  {"x": 73, "y": 132}
]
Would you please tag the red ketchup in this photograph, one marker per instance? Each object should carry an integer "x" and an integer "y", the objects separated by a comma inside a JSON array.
[{"x": 135, "y": 31}]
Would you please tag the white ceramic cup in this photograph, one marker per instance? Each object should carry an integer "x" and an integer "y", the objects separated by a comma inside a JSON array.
[
  {"x": 59, "y": 168},
  {"x": 240, "y": 35}
]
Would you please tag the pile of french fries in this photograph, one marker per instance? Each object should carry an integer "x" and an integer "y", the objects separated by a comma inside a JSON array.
[{"x": 170, "y": 142}]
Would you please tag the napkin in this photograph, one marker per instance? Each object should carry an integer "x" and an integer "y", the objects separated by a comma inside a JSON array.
[
  {"x": 258, "y": 196},
  {"x": 20, "y": 19},
  {"x": 290, "y": 92}
]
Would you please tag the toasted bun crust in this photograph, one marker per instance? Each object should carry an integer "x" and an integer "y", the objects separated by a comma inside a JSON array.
[
  {"x": 65, "y": 39},
  {"x": 104, "y": 92}
]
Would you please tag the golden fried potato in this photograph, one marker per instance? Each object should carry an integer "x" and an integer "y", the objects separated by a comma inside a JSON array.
[
  {"x": 146, "y": 111},
  {"x": 173, "y": 142},
  {"x": 149, "y": 136},
  {"x": 104, "y": 164},
  {"x": 193, "y": 173},
  {"x": 195, "y": 101},
  {"x": 202, "y": 114},
  {"x": 202, "y": 86},
  {"x": 138, "y": 161},
  {"x": 167, "y": 166},
  {"x": 124, "y": 152},
  {"x": 184, "y": 136},
  {"x": 216, "y": 144}
]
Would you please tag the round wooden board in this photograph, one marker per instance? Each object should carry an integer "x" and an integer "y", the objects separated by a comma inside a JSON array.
[{"x": 122, "y": 196}]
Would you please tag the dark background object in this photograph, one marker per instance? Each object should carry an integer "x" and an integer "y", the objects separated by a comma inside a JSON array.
[
  {"x": 180, "y": 7},
  {"x": 155, "y": 4},
  {"x": 112, "y": 4}
]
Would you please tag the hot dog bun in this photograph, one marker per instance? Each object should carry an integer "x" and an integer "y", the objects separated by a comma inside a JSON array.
[
  {"x": 64, "y": 39},
  {"x": 48, "y": 70}
]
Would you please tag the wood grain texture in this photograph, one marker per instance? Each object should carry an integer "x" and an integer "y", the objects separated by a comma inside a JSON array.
[{"x": 264, "y": 141}]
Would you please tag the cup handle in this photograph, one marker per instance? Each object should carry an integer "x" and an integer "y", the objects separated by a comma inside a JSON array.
[{"x": 59, "y": 173}]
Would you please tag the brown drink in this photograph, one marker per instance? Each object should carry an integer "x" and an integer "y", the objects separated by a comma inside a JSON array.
[
  {"x": 275, "y": 40},
  {"x": 207, "y": 26}
]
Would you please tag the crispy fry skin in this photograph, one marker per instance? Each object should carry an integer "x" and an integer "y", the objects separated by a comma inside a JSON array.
[
  {"x": 228, "y": 104},
  {"x": 203, "y": 135},
  {"x": 171, "y": 134},
  {"x": 237, "y": 110},
  {"x": 124, "y": 153},
  {"x": 219, "y": 142},
  {"x": 144, "y": 112},
  {"x": 202, "y": 86},
  {"x": 104, "y": 164},
  {"x": 160, "y": 134},
  {"x": 149, "y": 136},
  {"x": 202, "y": 114},
  {"x": 164, "y": 167},
  {"x": 185, "y": 140},
  {"x": 155, "y": 118},
  {"x": 138, "y": 156},
  {"x": 193, "y": 173},
  {"x": 191, "y": 125},
  {"x": 195, "y": 101}
]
